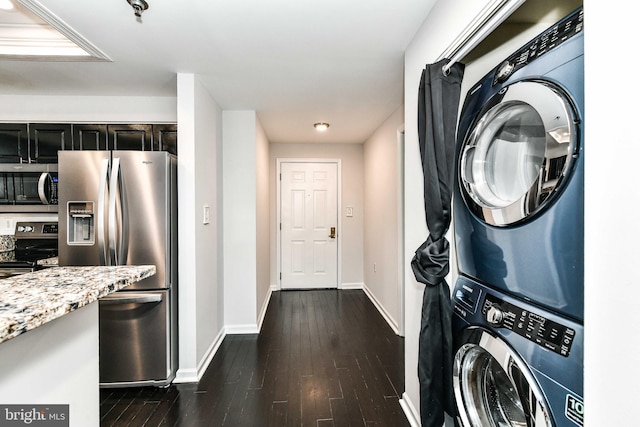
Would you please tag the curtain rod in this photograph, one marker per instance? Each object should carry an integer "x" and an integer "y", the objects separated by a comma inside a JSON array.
[{"x": 485, "y": 22}]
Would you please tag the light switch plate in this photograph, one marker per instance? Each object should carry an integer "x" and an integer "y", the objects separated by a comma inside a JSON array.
[
  {"x": 205, "y": 214},
  {"x": 349, "y": 211}
]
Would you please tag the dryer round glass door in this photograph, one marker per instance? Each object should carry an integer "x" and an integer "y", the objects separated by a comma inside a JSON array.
[
  {"x": 519, "y": 152},
  {"x": 493, "y": 387}
]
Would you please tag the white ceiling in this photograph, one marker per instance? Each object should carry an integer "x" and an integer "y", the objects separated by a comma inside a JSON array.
[{"x": 295, "y": 62}]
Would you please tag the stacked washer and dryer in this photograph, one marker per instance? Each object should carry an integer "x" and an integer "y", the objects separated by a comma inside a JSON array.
[{"x": 518, "y": 216}]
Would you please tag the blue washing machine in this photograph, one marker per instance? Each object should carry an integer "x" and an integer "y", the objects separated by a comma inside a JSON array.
[
  {"x": 516, "y": 365},
  {"x": 518, "y": 202}
]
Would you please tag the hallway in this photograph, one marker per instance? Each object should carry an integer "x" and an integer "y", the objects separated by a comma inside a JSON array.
[{"x": 323, "y": 358}]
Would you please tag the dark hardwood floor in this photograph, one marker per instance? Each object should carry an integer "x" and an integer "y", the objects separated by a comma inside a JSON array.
[{"x": 323, "y": 358}]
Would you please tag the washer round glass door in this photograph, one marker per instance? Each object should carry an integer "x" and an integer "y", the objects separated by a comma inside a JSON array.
[
  {"x": 519, "y": 153},
  {"x": 493, "y": 387}
]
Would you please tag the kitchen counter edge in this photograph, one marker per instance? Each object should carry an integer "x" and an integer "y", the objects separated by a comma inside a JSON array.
[{"x": 33, "y": 299}]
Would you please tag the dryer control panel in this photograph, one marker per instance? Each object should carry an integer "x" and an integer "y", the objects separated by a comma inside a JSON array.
[
  {"x": 551, "y": 335},
  {"x": 553, "y": 37}
]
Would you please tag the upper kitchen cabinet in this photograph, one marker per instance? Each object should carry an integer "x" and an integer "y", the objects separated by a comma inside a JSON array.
[
  {"x": 90, "y": 137},
  {"x": 14, "y": 143},
  {"x": 45, "y": 139},
  {"x": 130, "y": 137},
  {"x": 165, "y": 138}
]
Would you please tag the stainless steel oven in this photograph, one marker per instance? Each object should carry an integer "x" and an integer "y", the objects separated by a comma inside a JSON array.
[
  {"x": 34, "y": 247},
  {"x": 28, "y": 187}
]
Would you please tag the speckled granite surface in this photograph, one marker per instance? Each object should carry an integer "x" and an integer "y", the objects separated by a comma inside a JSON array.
[{"x": 33, "y": 299}]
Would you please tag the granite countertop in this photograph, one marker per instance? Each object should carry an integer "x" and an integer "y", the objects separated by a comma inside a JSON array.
[{"x": 33, "y": 299}]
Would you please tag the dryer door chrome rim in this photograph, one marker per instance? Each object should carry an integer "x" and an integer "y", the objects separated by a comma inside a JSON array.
[
  {"x": 519, "y": 153},
  {"x": 494, "y": 388}
]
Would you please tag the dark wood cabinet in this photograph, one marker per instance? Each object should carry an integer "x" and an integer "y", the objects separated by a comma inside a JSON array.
[
  {"x": 40, "y": 142},
  {"x": 45, "y": 139},
  {"x": 14, "y": 143},
  {"x": 130, "y": 137},
  {"x": 90, "y": 137},
  {"x": 165, "y": 138}
]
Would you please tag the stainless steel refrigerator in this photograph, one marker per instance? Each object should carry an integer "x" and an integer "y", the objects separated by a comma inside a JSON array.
[{"x": 120, "y": 208}]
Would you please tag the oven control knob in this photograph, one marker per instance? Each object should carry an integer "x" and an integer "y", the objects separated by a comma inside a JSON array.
[
  {"x": 20, "y": 228},
  {"x": 28, "y": 229},
  {"x": 495, "y": 315}
]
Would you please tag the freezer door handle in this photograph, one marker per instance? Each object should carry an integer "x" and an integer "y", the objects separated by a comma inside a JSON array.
[
  {"x": 139, "y": 298},
  {"x": 101, "y": 224}
]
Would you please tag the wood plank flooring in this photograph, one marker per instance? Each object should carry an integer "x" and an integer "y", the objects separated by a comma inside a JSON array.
[{"x": 324, "y": 358}]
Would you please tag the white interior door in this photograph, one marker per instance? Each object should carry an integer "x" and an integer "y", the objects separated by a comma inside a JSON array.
[{"x": 309, "y": 221}]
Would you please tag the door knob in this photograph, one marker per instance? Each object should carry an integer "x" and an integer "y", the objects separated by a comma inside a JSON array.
[{"x": 333, "y": 233}]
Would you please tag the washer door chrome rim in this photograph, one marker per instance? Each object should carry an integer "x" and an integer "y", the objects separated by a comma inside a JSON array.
[
  {"x": 519, "y": 153},
  {"x": 494, "y": 388}
]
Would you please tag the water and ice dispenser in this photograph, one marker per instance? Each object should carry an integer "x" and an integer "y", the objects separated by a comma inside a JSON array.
[{"x": 80, "y": 223}]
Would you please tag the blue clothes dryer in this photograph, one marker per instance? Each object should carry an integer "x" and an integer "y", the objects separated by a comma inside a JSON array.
[
  {"x": 515, "y": 364},
  {"x": 518, "y": 202}
]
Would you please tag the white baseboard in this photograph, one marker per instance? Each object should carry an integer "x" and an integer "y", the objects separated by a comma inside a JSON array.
[
  {"x": 211, "y": 351},
  {"x": 242, "y": 329},
  {"x": 253, "y": 328},
  {"x": 381, "y": 309},
  {"x": 265, "y": 305},
  {"x": 194, "y": 375},
  {"x": 186, "y": 376},
  {"x": 410, "y": 411},
  {"x": 352, "y": 286}
]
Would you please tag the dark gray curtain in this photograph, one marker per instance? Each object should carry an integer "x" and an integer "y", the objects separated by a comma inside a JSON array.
[{"x": 437, "y": 115}]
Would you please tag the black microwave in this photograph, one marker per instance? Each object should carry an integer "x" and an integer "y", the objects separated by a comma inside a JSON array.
[{"x": 28, "y": 187}]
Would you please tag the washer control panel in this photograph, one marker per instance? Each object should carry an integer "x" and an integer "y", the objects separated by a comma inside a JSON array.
[
  {"x": 554, "y": 36},
  {"x": 551, "y": 335}
]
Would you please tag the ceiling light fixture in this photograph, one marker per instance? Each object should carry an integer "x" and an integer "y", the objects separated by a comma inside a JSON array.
[
  {"x": 138, "y": 6},
  {"x": 6, "y": 5},
  {"x": 321, "y": 127}
]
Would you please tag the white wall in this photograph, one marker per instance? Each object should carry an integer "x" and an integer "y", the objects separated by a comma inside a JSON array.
[
  {"x": 381, "y": 221},
  {"x": 200, "y": 290},
  {"x": 88, "y": 109},
  {"x": 240, "y": 224},
  {"x": 263, "y": 285},
  {"x": 209, "y": 287},
  {"x": 612, "y": 228},
  {"x": 352, "y": 195}
]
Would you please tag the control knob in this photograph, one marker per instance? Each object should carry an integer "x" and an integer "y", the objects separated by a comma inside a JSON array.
[
  {"x": 495, "y": 315},
  {"x": 504, "y": 71}
]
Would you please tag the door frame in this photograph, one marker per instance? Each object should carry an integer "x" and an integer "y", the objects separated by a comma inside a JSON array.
[{"x": 338, "y": 163}]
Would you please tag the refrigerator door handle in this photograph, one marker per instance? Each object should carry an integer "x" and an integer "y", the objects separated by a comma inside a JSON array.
[
  {"x": 128, "y": 298},
  {"x": 117, "y": 224},
  {"x": 101, "y": 224}
]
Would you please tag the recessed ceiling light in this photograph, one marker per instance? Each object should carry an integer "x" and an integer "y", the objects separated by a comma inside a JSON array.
[
  {"x": 321, "y": 127},
  {"x": 6, "y": 4}
]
